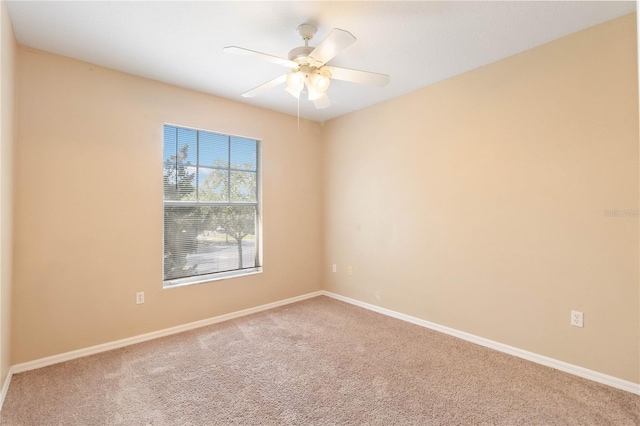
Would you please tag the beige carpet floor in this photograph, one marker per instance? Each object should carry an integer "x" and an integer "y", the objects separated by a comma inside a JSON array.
[{"x": 319, "y": 361}]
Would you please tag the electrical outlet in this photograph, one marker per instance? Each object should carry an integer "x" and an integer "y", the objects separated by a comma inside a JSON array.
[
  {"x": 335, "y": 268},
  {"x": 576, "y": 319},
  {"x": 350, "y": 270},
  {"x": 140, "y": 297}
]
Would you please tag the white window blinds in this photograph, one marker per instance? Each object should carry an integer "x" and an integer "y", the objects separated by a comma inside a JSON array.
[{"x": 211, "y": 205}]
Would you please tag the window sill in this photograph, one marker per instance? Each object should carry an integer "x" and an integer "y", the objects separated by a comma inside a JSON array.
[{"x": 183, "y": 282}]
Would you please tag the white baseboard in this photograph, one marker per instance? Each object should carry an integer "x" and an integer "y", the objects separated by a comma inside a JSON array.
[
  {"x": 67, "y": 356},
  {"x": 5, "y": 387},
  {"x": 540, "y": 359},
  {"x": 520, "y": 353}
]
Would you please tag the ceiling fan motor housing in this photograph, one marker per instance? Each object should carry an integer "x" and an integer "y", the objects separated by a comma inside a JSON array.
[{"x": 300, "y": 54}]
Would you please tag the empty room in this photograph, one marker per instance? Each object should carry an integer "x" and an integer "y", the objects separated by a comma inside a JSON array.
[{"x": 408, "y": 213}]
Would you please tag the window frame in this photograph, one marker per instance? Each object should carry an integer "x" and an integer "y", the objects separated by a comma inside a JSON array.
[{"x": 224, "y": 275}]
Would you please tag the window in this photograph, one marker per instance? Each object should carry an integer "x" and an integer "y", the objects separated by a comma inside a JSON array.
[{"x": 211, "y": 206}]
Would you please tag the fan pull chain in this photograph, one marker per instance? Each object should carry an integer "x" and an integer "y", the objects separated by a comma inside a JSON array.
[{"x": 298, "y": 114}]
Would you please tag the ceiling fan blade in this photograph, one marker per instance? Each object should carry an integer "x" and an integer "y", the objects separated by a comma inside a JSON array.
[
  {"x": 361, "y": 77},
  {"x": 235, "y": 50},
  {"x": 334, "y": 43},
  {"x": 322, "y": 102},
  {"x": 264, "y": 87}
]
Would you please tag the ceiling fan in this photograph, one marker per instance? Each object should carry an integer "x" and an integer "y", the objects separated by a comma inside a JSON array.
[{"x": 309, "y": 67}]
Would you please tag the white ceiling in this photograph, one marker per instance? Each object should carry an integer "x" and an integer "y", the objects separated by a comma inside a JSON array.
[{"x": 417, "y": 42}]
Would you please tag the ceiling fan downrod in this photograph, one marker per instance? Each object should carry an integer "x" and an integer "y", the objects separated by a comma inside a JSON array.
[{"x": 300, "y": 55}]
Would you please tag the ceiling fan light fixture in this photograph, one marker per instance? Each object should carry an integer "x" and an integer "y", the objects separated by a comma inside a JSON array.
[
  {"x": 320, "y": 82},
  {"x": 313, "y": 93},
  {"x": 295, "y": 83}
]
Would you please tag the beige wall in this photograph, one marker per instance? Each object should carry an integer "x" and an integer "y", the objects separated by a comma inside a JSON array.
[
  {"x": 478, "y": 202},
  {"x": 88, "y": 231},
  {"x": 7, "y": 140}
]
